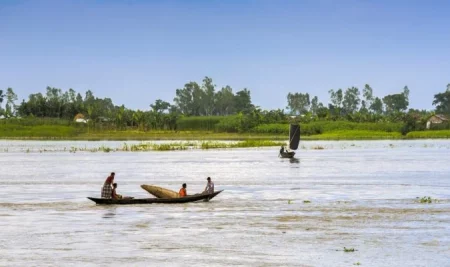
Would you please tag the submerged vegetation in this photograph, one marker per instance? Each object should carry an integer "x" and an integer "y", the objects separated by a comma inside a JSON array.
[
  {"x": 170, "y": 146},
  {"x": 426, "y": 200},
  {"x": 349, "y": 249}
]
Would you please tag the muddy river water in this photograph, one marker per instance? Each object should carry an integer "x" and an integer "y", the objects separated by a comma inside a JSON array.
[{"x": 359, "y": 195}]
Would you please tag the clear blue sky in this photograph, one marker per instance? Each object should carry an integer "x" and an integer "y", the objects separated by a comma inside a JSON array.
[{"x": 138, "y": 51}]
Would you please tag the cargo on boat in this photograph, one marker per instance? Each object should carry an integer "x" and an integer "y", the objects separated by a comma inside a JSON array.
[{"x": 160, "y": 192}]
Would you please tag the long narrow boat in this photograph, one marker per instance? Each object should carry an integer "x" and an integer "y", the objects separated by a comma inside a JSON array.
[
  {"x": 287, "y": 155},
  {"x": 191, "y": 198}
]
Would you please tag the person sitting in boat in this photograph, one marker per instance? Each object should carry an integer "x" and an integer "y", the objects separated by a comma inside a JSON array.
[
  {"x": 209, "y": 189},
  {"x": 114, "y": 194},
  {"x": 182, "y": 192},
  {"x": 282, "y": 150},
  {"x": 107, "y": 186}
]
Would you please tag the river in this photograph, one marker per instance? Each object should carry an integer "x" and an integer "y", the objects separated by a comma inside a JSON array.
[{"x": 360, "y": 195}]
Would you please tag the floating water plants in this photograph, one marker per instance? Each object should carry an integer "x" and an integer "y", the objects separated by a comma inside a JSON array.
[{"x": 426, "y": 200}]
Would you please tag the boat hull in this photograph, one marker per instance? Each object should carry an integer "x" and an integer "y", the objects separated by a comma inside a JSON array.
[
  {"x": 287, "y": 155},
  {"x": 187, "y": 199}
]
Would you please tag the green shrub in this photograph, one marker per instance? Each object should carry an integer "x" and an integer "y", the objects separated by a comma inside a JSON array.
[
  {"x": 229, "y": 124},
  {"x": 271, "y": 129},
  {"x": 198, "y": 123}
]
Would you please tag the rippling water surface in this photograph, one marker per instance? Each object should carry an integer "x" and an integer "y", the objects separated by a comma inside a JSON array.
[{"x": 362, "y": 195}]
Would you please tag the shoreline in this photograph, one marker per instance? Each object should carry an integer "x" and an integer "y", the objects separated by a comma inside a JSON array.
[
  {"x": 218, "y": 139},
  {"x": 202, "y": 136}
]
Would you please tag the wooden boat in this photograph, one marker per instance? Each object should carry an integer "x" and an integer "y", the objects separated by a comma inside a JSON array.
[
  {"x": 160, "y": 192},
  {"x": 187, "y": 199},
  {"x": 287, "y": 155},
  {"x": 294, "y": 141}
]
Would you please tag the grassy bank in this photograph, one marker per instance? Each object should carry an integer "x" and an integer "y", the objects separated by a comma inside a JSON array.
[
  {"x": 429, "y": 134},
  {"x": 323, "y": 127},
  {"x": 356, "y": 135},
  {"x": 138, "y": 135},
  {"x": 65, "y": 133},
  {"x": 319, "y": 130}
]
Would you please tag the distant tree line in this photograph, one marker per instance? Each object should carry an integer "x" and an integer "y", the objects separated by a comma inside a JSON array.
[
  {"x": 344, "y": 104},
  {"x": 203, "y": 100},
  {"x": 206, "y": 99}
]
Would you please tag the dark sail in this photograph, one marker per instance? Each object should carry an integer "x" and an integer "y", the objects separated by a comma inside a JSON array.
[{"x": 294, "y": 136}]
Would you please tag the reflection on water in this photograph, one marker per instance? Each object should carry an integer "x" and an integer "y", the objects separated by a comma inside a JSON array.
[
  {"x": 298, "y": 212},
  {"x": 110, "y": 213}
]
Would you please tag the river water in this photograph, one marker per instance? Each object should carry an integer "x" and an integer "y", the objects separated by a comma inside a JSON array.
[{"x": 273, "y": 212}]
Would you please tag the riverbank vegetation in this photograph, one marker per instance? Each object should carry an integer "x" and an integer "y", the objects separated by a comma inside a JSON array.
[{"x": 203, "y": 112}]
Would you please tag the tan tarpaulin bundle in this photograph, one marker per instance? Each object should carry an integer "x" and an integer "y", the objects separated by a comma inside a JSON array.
[{"x": 160, "y": 192}]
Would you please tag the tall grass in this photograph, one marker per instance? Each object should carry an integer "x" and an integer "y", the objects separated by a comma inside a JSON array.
[
  {"x": 45, "y": 131},
  {"x": 241, "y": 144},
  {"x": 320, "y": 127},
  {"x": 33, "y": 121},
  {"x": 356, "y": 135},
  {"x": 198, "y": 123},
  {"x": 428, "y": 134}
]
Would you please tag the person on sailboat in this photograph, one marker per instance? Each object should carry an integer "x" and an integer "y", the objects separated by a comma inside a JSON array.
[{"x": 282, "y": 150}]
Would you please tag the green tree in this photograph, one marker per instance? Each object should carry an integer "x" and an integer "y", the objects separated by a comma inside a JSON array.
[
  {"x": 377, "y": 106},
  {"x": 298, "y": 103},
  {"x": 160, "y": 106},
  {"x": 396, "y": 103},
  {"x": 37, "y": 105},
  {"x": 368, "y": 98},
  {"x": 2, "y": 96},
  {"x": 188, "y": 99},
  {"x": 208, "y": 99},
  {"x": 335, "y": 108},
  {"x": 158, "y": 109},
  {"x": 314, "y": 105},
  {"x": 89, "y": 97},
  {"x": 336, "y": 97},
  {"x": 120, "y": 117},
  {"x": 243, "y": 101},
  {"x": 198, "y": 96},
  {"x": 11, "y": 97},
  {"x": 79, "y": 104},
  {"x": 442, "y": 101},
  {"x": 225, "y": 101},
  {"x": 54, "y": 102},
  {"x": 351, "y": 100},
  {"x": 406, "y": 93}
]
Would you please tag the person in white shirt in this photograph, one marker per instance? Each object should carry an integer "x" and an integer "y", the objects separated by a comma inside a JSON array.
[{"x": 209, "y": 189}]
